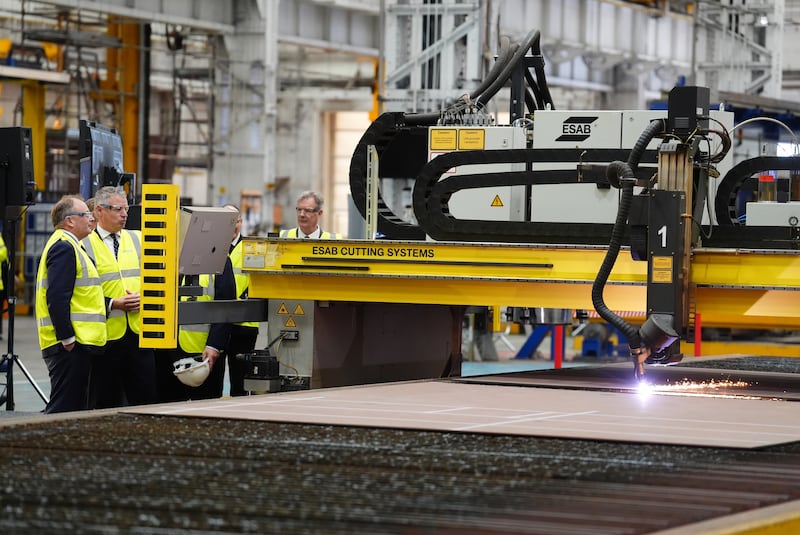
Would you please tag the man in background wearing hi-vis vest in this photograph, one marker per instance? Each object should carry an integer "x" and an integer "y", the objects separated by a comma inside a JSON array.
[
  {"x": 70, "y": 308},
  {"x": 126, "y": 374},
  {"x": 243, "y": 335},
  {"x": 309, "y": 210}
]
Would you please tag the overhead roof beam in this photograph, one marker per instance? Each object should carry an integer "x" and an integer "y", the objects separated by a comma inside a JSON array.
[
  {"x": 206, "y": 15},
  {"x": 366, "y": 6},
  {"x": 24, "y": 73},
  {"x": 328, "y": 45}
]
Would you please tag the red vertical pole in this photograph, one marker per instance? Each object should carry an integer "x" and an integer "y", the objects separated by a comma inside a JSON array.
[
  {"x": 698, "y": 335},
  {"x": 558, "y": 345}
]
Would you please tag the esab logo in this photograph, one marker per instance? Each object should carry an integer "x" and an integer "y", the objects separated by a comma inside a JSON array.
[{"x": 576, "y": 129}]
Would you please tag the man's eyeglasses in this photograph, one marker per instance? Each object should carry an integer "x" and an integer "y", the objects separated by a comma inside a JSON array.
[
  {"x": 79, "y": 214},
  {"x": 116, "y": 208},
  {"x": 307, "y": 211}
]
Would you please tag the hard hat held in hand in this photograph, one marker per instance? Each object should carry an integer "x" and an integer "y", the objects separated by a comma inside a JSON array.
[{"x": 191, "y": 371}]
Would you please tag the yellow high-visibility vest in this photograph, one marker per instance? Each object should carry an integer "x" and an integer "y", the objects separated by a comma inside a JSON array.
[
  {"x": 87, "y": 305},
  {"x": 118, "y": 276},
  {"x": 242, "y": 279},
  {"x": 192, "y": 338},
  {"x": 324, "y": 235}
]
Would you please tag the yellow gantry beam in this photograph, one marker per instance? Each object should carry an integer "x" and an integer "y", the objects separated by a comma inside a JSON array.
[
  {"x": 747, "y": 288},
  {"x": 440, "y": 273},
  {"x": 732, "y": 287}
]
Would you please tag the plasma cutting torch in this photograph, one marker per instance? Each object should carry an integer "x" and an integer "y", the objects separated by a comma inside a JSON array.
[{"x": 663, "y": 222}]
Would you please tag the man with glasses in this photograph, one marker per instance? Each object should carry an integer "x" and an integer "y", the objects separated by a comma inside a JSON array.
[
  {"x": 126, "y": 374},
  {"x": 70, "y": 308},
  {"x": 309, "y": 211}
]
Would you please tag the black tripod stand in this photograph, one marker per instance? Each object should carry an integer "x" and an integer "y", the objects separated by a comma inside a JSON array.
[{"x": 13, "y": 215}]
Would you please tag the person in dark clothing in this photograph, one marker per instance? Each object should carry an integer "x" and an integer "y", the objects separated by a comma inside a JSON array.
[
  {"x": 205, "y": 341},
  {"x": 243, "y": 335}
]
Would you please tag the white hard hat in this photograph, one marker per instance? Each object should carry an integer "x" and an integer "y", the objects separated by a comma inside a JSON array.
[{"x": 191, "y": 371}]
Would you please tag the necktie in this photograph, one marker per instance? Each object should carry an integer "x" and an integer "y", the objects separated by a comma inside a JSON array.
[{"x": 116, "y": 244}]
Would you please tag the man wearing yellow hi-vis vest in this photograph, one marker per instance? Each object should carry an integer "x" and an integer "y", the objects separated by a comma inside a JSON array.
[
  {"x": 70, "y": 308},
  {"x": 309, "y": 211},
  {"x": 126, "y": 373}
]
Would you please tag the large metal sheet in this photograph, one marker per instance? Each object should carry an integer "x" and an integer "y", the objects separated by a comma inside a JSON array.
[{"x": 573, "y": 414}]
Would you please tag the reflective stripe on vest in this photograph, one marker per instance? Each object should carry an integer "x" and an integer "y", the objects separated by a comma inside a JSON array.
[
  {"x": 87, "y": 305},
  {"x": 80, "y": 316}
]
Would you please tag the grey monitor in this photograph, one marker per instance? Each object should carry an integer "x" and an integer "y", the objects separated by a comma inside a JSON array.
[{"x": 205, "y": 238}]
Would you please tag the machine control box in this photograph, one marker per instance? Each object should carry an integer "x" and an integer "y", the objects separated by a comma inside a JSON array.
[
  {"x": 773, "y": 214},
  {"x": 598, "y": 129}
]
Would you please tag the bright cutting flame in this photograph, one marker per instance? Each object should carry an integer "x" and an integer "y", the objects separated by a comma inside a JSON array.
[
  {"x": 644, "y": 388},
  {"x": 712, "y": 388}
]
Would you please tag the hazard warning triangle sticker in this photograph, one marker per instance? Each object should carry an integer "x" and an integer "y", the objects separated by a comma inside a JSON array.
[{"x": 496, "y": 202}]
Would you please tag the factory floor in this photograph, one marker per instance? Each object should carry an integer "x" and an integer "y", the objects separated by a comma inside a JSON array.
[
  {"x": 26, "y": 347},
  {"x": 466, "y": 455}
]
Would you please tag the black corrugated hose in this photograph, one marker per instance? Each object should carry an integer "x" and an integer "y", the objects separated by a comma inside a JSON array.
[
  {"x": 621, "y": 174},
  {"x": 505, "y": 74},
  {"x": 504, "y": 57}
]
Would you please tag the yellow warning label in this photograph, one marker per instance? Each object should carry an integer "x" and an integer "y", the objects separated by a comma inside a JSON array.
[
  {"x": 662, "y": 262},
  {"x": 282, "y": 309},
  {"x": 497, "y": 202},
  {"x": 290, "y": 322},
  {"x": 252, "y": 247},
  {"x": 298, "y": 310},
  {"x": 662, "y": 275},
  {"x": 662, "y": 269},
  {"x": 443, "y": 139},
  {"x": 471, "y": 139}
]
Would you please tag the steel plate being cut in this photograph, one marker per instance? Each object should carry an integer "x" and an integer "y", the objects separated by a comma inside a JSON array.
[{"x": 446, "y": 405}]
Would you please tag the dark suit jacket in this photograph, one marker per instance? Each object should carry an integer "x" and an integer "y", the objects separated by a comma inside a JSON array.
[{"x": 224, "y": 289}]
